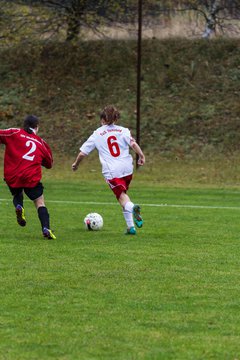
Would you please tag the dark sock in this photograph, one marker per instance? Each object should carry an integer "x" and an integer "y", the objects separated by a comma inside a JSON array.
[
  {"x": 43, "y": 216},
  {"x": 18, "y": 200}
]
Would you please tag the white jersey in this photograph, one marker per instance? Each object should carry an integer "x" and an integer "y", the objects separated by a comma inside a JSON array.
[{"x": 112, "y": 143}]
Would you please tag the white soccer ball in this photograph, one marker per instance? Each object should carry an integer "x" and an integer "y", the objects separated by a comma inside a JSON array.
[{"x": 93, "y": 221}]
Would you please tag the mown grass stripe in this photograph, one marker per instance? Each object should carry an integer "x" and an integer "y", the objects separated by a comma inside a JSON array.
[{"x": 188, "y": 206}]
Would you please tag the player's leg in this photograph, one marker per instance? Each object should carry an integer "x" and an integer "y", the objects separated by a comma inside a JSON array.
[
  {"x": 36, "y": 195},
  {"x": 119, "y": 188},
  {"x": 129, "y": 206},
  {"x": 44, "y": 217},
  {"x": 130, "y": 211},
  {"x": 18, "y": 204}
]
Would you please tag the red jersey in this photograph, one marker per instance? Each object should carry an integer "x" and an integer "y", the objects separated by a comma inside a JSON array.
[{"x": 24, "y": 155}]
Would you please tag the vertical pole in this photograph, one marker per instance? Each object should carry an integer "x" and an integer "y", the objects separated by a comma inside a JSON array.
[{"x": 139, "y": 59}]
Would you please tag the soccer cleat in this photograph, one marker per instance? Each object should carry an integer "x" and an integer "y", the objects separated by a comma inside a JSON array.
[
  {"x": 137, "y": 217},
  {"x": 131, "y": 231},
  {"x": 47, "y": 233},
  {"x": 20, "y": 215}
]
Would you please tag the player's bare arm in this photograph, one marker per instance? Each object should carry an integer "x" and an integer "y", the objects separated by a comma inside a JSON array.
[
  {"x": 79, "y": 158},
  {"x": 136, "y": 148}
]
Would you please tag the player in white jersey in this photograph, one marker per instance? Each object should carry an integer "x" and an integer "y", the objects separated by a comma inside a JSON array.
[{"x": 112, "y": 142}]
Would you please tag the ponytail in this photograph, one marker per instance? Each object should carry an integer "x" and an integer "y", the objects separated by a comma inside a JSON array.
[{"x": 30, "y": 124}]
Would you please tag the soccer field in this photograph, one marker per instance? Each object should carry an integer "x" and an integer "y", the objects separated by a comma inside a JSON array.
[{"x": 170, "y": 292}]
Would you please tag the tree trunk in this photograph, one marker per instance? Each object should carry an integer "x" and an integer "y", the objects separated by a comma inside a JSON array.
[
  {"x": 73, "y": 29},
  {"x": 211, "y": 19}
]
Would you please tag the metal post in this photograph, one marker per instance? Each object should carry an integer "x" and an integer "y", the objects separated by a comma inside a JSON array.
[{"x": 139, "y": 58}]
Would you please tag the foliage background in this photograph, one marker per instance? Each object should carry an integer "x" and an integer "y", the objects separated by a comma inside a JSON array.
[{"x": 190, "y": 92}]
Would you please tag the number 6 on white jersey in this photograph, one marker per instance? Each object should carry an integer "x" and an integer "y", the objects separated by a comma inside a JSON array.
[
  {"x": 33, "y": 148},
  {"x": 113, "y": 146}
]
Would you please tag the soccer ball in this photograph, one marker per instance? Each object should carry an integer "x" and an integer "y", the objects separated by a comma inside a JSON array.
[{"x": 93, "y": 221}]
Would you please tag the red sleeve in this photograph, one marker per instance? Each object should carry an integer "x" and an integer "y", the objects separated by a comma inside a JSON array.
[
  {"x": 47, "y": 161},
  {"x": 5, "y": 133}
]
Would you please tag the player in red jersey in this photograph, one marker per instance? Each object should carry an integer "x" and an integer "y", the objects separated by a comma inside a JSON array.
[
  {"x": 25, "y": 154},
  {"x": 113, "y": 142}
]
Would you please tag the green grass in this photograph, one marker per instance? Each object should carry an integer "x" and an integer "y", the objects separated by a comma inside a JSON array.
[{"x": 171, "y": 292}]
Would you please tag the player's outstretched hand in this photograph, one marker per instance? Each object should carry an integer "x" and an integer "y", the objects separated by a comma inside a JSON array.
[
  {"x": 74, "y": 166},
  {"x": 141, "y": 160}
]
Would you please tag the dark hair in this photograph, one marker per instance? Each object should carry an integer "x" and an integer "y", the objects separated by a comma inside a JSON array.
[
  {"x": 110, "y": 114},
  {"x": 30, "y": 121}
]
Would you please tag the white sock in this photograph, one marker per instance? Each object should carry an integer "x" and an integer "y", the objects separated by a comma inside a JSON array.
[
  {"x": 128, "y": 218},
  {"x": 129, "y": 206}
]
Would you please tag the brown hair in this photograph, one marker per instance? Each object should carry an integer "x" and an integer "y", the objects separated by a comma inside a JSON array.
[{"x": 110, "y": 114}]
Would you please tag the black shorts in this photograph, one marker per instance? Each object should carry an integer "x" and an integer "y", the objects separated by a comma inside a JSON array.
[{"x": 33, "y": 193}]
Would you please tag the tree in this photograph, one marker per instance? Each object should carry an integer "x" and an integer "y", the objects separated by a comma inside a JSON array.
[
  {"x": 50, "y": 18},
  {"x": 65, "y": 19},
  {"x": 217, "y": 14}
]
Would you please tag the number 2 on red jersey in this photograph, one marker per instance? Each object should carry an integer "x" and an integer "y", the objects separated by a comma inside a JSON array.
[
  {"x": 113, "y": 146},
  {"x": 32, "y": 149}
]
